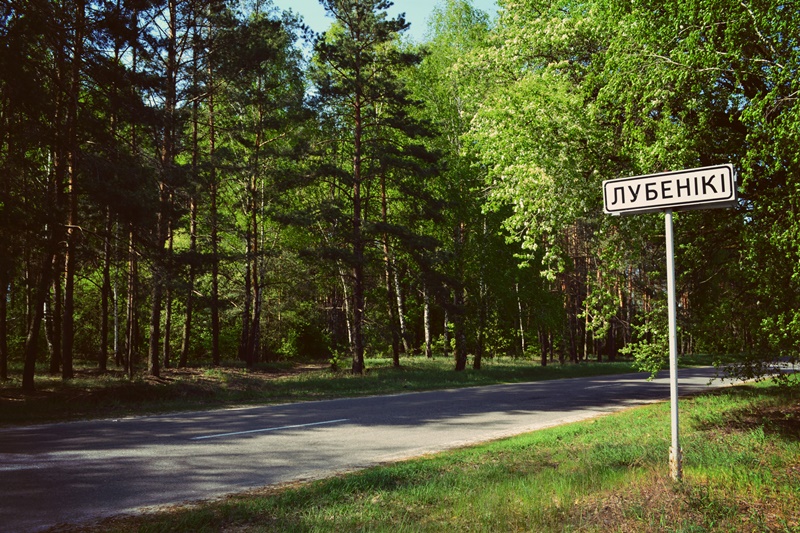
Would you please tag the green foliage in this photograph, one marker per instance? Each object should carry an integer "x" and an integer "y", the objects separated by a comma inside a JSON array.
[
  {"x": 291, "y": 209},
  {"x": 650, "y": 344},
  {"x": 711, "y": 85},
  {"x": 586, "y": 92}
]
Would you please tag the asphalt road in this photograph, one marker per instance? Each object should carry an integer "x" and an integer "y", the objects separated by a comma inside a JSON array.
[{"x": 76, "y": 472}]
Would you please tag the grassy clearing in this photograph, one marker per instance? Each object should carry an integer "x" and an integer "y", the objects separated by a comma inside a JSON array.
[
  {"x": 741, "y": 473},
  {"x": 92, "y": 395}
]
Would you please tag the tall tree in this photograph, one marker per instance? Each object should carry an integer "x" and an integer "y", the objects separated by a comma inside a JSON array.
[
  {"x": 451, "y": 93},
  {"x": 719, "y": 84},
  {"x": 356, "y": 74},
  {"x": 264, "y": 79}
]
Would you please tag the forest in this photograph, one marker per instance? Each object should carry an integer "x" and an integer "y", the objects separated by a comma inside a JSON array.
[{"x": 208, "y": 182}]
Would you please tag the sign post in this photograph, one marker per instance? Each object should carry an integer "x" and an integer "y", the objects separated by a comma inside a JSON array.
[
  {"x": 699, "y": 188},
  {"x": 675, "y": 459}
]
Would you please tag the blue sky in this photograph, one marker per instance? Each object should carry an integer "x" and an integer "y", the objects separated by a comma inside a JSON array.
[{"x": 417, "y": 13}]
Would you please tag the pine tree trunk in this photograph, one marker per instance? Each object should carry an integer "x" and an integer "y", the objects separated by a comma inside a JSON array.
[
  {"x": 186, "y": 336},
  {"x": 348, "y": 315},
  {"x": 388, "y": 275},
  {"x": 586, "y": 332},
  {"x": 459, "y": 333},
  {"x": 166, "y": 348},
  {"x": 51, "y": 336},
  {"x": 251, "y": 319},
  {"x": 132, "y": 326},
  {"x": 358, "y": 241},
  {"x": 31, "y": 346},
  {"x": 36, "y": 313},
  {"x": 4, "y": 283},
  {"x": 214, "y": 221},
  {"x": 105, "y": 295},
  {"x": 482, "y": 303},
  {"x": 244, "y": 336},
  {"x": 131, "y": 316},
  {"x": 117, "y": 350},
  {"x": 70, "y": 255},
  {"x": 446, "y": 335},
  {"x": 156, "y": 298},
  {"x": 401, "y": 313},
  {"x": 543, "y": 345},
  {"x": 187, "y": 324},
  {"x": 426, "y": 319}
]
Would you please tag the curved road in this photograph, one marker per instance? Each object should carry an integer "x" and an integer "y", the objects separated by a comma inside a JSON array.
[{"x": 81, "y": 471}]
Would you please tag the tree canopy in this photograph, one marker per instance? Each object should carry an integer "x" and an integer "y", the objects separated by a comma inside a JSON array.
[{"x": 186, "y": 165}]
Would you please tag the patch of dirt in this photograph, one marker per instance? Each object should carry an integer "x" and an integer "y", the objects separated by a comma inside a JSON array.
[
  {"x": 660, "y": 504},
  {"x": 782, "y": 420}
]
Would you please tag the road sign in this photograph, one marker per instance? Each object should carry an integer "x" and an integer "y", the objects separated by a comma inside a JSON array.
[{"x": 697, "y": 188}]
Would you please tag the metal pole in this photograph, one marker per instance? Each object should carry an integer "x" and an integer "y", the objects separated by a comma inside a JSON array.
[{"x": 675, "y": 459}]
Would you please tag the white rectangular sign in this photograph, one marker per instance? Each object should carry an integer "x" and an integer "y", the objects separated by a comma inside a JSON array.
[{"x": 705, "y": 187}]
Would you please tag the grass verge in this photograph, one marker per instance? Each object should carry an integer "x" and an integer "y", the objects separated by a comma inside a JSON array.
[
  {"x": 112, "y": 394},
  {"x": 741, "y": 473}
]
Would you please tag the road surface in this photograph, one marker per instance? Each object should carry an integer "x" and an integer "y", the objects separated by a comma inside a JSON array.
[{"x": 77, "y": 472}]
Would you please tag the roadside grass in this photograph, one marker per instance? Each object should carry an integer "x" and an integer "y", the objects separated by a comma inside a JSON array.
[
  {"x": 741, "y": 473},
  {"x": 112, "y": 394}
]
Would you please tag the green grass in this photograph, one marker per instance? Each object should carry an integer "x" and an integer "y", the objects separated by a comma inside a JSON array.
[
  {"x": 92, "y": 395},
  {"x": 741, "y": 473}
]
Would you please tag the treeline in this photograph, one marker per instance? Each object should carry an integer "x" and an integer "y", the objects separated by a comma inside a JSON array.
[{"x": 194, "y": 182}]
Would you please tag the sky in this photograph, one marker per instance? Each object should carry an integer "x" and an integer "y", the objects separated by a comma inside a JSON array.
[{"x": 417, "y": 13}]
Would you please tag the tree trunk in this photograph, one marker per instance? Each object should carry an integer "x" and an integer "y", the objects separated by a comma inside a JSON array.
[
  {"x": 520, "y": 320},
  {"x": 586, "y": 329},
  {"x": 105, "y": 295},
  {"x": 255, "y": 327},
  {"x": 186, "y": 337},
  {"x": 168, "y": 153},
  {"x": 358, "y": 239},
  {"x": 388, "y": 274},
  {"x": 459, "y": 331},
  {"x": 187, "y": 324},
  {"x": 446, "y": 335},
  {"x": 244, "y": 336},
  {"x": 50, "y": 333},
  {"x": 347, "y": 301},
  {"x": 132, "y": 327},
  {"x": 4, "y": 283},
  {"x": 482, "y": 315},
  {"x": 401, "y": 311},
  {"x": 251, "y": 318},
  {"x": 156, "y": 295},
  {"x": 483, "y": 304},
  {"x": 214, "y": 221},
  {"x": 215, "y": 355},
  {"x": 166, "y": 348},
  {"x": 543, "y": 345},
  {"x": 37, "y": 312},
  {"x": 70, "y": 255},
  {"x": 117, "y": 350},
  {"x": 31, "y": 348},
  {"x": 426, "y": 318},
  {"x": 158, "y": 280},
  {"x": 358, "y": 309}
]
